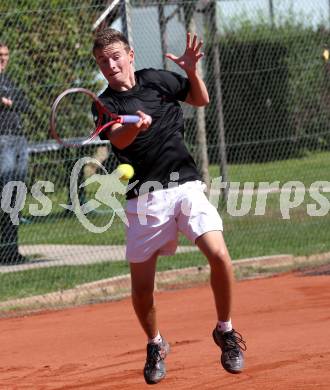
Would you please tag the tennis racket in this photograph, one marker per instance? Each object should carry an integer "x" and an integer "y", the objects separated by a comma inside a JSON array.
[{"x": 72, "y": 123}]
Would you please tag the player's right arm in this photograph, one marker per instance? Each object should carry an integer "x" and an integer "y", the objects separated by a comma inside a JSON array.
[{"x": 122, "y": 136}]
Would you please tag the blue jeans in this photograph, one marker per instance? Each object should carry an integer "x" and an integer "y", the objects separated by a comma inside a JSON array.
[{"x": 13, "y": 167}]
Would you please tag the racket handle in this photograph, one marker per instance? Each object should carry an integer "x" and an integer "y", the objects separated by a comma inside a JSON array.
[{"x": 129, "y": 118}]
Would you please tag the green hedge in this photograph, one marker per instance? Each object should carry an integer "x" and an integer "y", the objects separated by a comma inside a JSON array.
[{"x": 275, "y": 89}]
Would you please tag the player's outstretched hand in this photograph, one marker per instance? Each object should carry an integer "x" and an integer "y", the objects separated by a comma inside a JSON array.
[
  {"x": 191, "y": 55},
  {"x": 145, "y": 121}
]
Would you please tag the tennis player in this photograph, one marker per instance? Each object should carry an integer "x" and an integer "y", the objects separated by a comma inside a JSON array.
[{"x": 169, "y": 193}]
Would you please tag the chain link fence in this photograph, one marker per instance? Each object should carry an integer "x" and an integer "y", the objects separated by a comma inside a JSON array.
[{"x": 262, "y": 144}]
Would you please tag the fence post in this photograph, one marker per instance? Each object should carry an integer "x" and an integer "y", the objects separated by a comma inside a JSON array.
[
  {"x": 211, "y": 22},
  {"x": 126, "y": 20},
  {"x": 162, "y": 28},
  {"x": 201, "y": 139},
  {"x": 271, "y": 13}
]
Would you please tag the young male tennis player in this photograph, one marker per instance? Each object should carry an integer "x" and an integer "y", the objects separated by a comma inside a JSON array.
[{"x": 169, "y": 193}]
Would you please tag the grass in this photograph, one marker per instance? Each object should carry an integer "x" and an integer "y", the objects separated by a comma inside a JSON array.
[
  {"x": 14, "y": 285},
  {"x": 252, "y": 235},
  {"x": 246, "y": 236},
  {"x": 312, "y": 167},
  {"x": 269, "y": 234},
  {"x": 67, "y": 230},
  {"x": 44, "y": 280},
  {"x": 295, "y": 266}
]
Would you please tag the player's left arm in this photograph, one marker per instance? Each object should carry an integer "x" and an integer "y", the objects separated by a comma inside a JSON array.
[{"x": 197, "y": 95}]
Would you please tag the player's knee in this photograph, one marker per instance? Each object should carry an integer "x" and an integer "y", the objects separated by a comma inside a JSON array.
[
  {"x": 219, "y": 257},
  {"x": 143, "y": 293}
]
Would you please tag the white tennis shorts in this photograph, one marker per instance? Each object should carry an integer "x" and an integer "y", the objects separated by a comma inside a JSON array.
[{"x": 155, "y": 220}]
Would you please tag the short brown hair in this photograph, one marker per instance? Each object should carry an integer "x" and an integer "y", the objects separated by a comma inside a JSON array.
[{"x": 108, "y": 36}]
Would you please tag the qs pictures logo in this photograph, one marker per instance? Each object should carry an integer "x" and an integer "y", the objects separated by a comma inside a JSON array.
[{"x": 109, "y": 185}]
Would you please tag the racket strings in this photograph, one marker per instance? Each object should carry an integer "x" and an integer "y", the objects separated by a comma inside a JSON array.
[
  {"x": 79, "y": 116},
  {"x": 74, "y": 119}
]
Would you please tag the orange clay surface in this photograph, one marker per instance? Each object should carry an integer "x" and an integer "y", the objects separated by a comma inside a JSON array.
[{"x": 285, "y": 321}]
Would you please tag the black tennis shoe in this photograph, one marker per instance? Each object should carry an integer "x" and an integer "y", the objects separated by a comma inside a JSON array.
[
  {"x": 154, "y": 369},
  {"x": 232, "y": 345}
]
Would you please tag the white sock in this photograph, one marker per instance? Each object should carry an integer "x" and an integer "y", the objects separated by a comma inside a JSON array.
[
  {"x": 224, "y": 326},
  {"x": 156, "y": 340}
]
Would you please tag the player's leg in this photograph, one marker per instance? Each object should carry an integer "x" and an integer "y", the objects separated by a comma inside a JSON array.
[
  {"x": 143, "y": 280},
  {"x": 151, "y": 231},
  {"x": 201, "y": 223},
  {"x": 213, "y": 246}
]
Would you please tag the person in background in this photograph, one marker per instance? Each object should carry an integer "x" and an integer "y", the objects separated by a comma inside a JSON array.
[{"x": 13, "y": 156}]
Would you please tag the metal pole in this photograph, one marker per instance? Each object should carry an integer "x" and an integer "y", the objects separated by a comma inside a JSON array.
[
  {"x": 126, "y": 20},
  {"x": 201, "y": 139},
  {"x": 211, "y": 22},
  {"x": 162, "y": 28},
  {"x": 105, "y": 14},
  {"x": 271, "y": 13}
]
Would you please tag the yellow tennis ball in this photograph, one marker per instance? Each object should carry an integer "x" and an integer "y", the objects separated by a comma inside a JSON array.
[
  {"x": 326, "y": 55},
  {"x": 126, "y": 171}
]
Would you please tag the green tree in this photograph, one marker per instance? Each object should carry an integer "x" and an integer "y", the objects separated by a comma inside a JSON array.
[{"x": 50, "y": 45}]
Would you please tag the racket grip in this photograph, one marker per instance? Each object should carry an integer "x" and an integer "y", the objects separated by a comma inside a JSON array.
[{"x": 129, "y": 118}]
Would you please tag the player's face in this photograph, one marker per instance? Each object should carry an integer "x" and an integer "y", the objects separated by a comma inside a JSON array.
[
  {"x": 4, "y": 57},
  {"x": 116, "y": 64}
]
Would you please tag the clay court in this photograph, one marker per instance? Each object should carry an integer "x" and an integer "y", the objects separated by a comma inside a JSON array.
[{"x": 285, "y": 320}]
